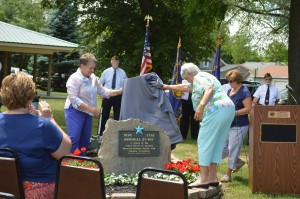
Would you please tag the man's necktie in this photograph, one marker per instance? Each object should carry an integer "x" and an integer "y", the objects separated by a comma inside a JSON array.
[
  {"x": 113, "y": 84},
  {"x": 267, "y": 96}
]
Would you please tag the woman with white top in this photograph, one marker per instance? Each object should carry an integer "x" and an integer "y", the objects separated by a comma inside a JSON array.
[{"x": 81, "y": 104}]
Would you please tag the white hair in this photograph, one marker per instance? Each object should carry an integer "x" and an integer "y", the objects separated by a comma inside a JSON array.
[{"x": 189, "y": 68}]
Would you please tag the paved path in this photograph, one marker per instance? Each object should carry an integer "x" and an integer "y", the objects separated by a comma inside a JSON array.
[{"x": 44, "y": 96}]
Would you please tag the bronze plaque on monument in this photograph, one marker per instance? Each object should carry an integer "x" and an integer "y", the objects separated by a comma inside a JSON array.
[{"x": 138, "y": 144}]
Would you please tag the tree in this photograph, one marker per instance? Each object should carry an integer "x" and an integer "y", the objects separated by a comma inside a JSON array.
[
  {"x": 118, "y": 28},
  {"x": 294, "y": 49},
  {"x": 26, "y": 13},
  {"x": 276, "y": 17},
  {"x": 62, "y": 23},
  {"x": 264, "y": 18},
  {"x": 238, "y": 47},
  {"x": 276, "y": 52}
]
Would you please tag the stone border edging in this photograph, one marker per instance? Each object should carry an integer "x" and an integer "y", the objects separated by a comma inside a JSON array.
[{"x": 195, "y": 193}]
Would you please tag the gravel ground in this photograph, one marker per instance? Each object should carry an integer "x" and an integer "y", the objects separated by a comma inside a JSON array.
[{"x": 120, "y": 189}]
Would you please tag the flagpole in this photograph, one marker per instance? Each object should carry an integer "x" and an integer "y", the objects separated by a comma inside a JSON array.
[
  {"x": 217, "y": 59},
  {"x": 175, "y": 96},
  {"x": 146, "y": 64}
]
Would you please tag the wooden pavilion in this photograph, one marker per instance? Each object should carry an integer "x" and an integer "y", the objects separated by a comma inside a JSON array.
[{"x": 14, "y": 39}]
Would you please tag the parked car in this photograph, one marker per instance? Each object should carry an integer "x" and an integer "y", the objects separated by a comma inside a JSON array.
[
  {"x": 58, "y": 81},
  {"x": 42, "y": 81},
  {"x": 283, "y": 97},
  {"x": 16, "y": 70},
  {"x": 252, "y": 86}
]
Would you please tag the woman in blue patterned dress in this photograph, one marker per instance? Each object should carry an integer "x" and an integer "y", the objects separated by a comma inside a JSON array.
[{"x": 215, "y": 108}]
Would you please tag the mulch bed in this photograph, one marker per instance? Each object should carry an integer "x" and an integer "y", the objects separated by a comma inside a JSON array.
[{"x": 110, "y": 189}]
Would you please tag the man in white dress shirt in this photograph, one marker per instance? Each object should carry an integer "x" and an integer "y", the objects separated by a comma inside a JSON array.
[
  {"x": 266, "y": 94},
  {"x": 112, "y": 78}
]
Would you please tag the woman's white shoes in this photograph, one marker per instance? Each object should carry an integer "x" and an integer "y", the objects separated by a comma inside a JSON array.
[{"x": 225, "y": 178}]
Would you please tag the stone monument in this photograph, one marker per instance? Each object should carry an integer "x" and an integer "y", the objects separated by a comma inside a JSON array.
[{"x": 130, "y": 145}]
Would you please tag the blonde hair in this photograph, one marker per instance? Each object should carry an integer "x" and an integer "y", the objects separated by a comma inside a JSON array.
[
  {"x": 17, "y": 90},
  {"x": 234, "y": 75},
  {"x": 86, "y": 58}
]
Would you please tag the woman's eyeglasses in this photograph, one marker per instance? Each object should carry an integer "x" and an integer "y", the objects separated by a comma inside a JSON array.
[{"x": 231, "y": 81}]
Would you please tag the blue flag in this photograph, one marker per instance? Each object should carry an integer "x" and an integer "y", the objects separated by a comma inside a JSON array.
[
  {"x": 216, "y": 67},
  {"x": 175, "y": 96}
]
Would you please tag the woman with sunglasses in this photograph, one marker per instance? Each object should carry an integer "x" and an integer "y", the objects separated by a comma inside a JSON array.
[
  {"x": 216, "y": 110},
  {"x": 241, "y": 97},
  {"x": 266, "y": 94}
]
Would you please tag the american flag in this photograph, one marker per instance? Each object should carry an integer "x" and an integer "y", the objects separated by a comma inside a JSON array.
[{"x": 146, "y": 60}]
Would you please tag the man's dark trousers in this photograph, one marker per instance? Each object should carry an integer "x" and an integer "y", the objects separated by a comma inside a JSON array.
[
  {"x": 114, "y": 102},
  {"x": 187, "y": 119}
]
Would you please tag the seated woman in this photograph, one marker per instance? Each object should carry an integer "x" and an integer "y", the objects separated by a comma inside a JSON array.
[{"x": 38, "y": 141}]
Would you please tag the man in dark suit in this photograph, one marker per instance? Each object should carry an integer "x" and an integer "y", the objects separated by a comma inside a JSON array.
[{"x": 112, "y": 78}]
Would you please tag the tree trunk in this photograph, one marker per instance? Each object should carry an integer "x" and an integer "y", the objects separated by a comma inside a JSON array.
[{"x": 294, "y": 50}]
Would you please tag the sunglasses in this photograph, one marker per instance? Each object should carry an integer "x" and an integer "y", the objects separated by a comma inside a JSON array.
[{"x": 231, "y": 81}]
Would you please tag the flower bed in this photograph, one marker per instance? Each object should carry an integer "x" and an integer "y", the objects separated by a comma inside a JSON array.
[{"x": 189, "y": 168}]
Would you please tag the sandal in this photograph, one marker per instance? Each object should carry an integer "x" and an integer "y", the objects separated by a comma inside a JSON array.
[
  {"x": 214, "y": 184},
  {"x": 225, "y": 178},
  {"x": 197, "y": 184}
]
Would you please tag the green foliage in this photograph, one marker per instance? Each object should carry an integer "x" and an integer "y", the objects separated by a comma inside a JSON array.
[
  {"x": 123, "y": 179},
  {"x": 26, "y": 13},
  {"x": 62, "y": 23},
  {"x": 264, "y": 20},
  {"x": 240, "y": 49},
  {"x": 118, "y": 28},
  {"x": 272, "y": 15},
  {"x": 65, "y": 66},
  {"x": 126, "y": 179},
  {"x": 277, "y": 52}
]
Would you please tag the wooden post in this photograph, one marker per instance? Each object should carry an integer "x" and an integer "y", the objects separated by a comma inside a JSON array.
[
  {"x": 34, "y": 66},
  {"x": 50, "y": 59},
  {"x": 5, "y": 64}
]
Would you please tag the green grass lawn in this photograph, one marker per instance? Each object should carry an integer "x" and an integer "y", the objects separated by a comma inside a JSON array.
[{"x": 237, "y": 189}]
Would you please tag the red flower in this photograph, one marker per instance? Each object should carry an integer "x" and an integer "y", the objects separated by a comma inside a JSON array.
[
  {"x": 77, "y": 152},
  {"x": 196, "y": 168},
  {"x": 182, "y": 169},
  {"x": 168, "y": 166},
  {"x": 64, "y": 163},
  {"x": 187, "y": 165}
]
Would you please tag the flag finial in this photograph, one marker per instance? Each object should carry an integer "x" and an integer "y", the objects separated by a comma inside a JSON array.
[
  {"x": 148, "y": 18},
  {"x": 220, "y": 40}
]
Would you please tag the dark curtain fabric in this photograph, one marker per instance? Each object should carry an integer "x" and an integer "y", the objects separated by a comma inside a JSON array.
[{"x": 144, "y": 100}]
